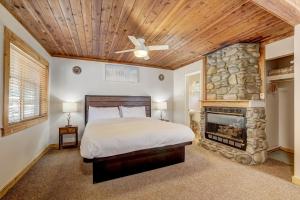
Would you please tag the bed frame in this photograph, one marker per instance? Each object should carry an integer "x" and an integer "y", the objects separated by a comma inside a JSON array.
[{"x": 111, "y": 167}]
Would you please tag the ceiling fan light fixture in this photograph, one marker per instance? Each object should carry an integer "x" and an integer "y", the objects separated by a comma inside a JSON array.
[{"x": 140, "y": 53}]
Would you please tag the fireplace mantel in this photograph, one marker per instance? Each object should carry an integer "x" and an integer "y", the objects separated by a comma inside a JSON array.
[{"x": 234, "y": 103}]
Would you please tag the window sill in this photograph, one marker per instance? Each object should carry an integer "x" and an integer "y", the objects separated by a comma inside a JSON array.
[{"x": 17, "y": 127}]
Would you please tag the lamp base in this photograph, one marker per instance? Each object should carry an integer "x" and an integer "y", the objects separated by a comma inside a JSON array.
[{"x": 68, "y": 120}]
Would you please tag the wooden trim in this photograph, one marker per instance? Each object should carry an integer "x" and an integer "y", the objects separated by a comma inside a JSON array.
[
  {"x": 6, "y": 64},
  {"x": 222, "y": 103},
  {"x": 10, "y": 37},
  {"x": 14, "y": 128},
  {"x": 273, "y": 149},
  {"x": 287, "y": 150},
  {"x": 13, "y": 38},
  {"x": 296, "y": 180},
  {"x": 14, "y": 181},
  {"x": 283, "y": 9},
  {"x": 110, "y": 61},
  {"x": 53, "y": 146},
  {"x": 204, "y": 78},
  {"x": 262, "y": 70}
]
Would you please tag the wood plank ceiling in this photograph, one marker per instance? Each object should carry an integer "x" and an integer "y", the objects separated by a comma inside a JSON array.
[{"x": 95, "y": 29}]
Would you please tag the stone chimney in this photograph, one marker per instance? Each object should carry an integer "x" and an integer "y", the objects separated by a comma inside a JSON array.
[{"x": 232, "y": 73}]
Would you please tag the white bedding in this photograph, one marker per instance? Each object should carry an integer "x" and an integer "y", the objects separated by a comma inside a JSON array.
[{"x": 117, "y": 136}]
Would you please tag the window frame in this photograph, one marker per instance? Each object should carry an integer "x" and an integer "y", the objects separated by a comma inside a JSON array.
[{"x": 10, "y": 37}]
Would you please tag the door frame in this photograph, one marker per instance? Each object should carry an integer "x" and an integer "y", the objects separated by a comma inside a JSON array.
[{"x": 186, "y": 95}]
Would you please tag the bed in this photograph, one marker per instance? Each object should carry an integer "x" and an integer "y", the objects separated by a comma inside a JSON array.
[{"x": 125, "y": 146}]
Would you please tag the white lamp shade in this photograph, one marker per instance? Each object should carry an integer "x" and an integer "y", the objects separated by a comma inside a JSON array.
[
  {"x": 69, "y": 107},
  {"x": 160, "y": 105}
]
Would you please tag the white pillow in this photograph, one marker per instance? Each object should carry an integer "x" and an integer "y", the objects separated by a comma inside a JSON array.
[
  {"x": 96, "y": 113},
  {"x": 133, "y": 111}
]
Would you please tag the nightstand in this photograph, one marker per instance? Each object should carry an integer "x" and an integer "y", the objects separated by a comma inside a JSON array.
[{"x": 70, "y": 130}]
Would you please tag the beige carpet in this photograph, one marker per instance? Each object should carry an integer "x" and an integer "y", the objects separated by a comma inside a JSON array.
[{"x": 204, "y": 175}]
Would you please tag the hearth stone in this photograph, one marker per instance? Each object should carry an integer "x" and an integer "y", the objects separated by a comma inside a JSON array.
[{"x": 256, "y": 151}]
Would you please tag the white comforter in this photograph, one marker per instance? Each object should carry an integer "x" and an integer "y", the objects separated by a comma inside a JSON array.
[{"x": 117, "y": 136}]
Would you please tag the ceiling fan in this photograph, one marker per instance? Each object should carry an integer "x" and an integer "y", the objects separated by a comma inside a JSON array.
[{"x": 140, "y": 50}]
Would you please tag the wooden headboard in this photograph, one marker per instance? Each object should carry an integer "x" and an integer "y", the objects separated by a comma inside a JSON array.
[{"x": 114, "y": 101}]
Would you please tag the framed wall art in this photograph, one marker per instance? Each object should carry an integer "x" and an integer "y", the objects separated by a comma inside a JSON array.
[{"x": 121, "y": 73}]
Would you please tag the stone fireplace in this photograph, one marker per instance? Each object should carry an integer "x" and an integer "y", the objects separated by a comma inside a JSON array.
[{"x": 232, "y": 115}]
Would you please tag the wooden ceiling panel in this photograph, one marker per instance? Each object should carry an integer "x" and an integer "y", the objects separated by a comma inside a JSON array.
[{"x": 95, "y": 29}]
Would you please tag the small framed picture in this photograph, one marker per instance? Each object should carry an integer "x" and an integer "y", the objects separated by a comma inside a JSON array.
[
  {"x": 76, "y": 70},
  {"x": 161, "y": 77}
]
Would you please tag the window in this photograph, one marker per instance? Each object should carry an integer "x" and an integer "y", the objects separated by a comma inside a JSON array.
[{"x": 25, "y": 85}]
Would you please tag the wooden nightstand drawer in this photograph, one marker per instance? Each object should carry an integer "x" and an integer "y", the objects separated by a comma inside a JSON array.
[
  {"x": 66, "y": 130},
  {"x": 63, "y": 130},
  {"x": 71, "y": 130}
]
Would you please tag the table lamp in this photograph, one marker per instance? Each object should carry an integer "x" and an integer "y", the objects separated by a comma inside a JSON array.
[
  {"x": 69, "y": 107},
  {"x": 162, "y": 106}
]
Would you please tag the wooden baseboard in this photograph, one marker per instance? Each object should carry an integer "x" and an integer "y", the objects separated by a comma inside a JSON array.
[
  {"x": 53, "y": 146},
  {"x": 296, "y": 180},
  {"x": 287, "y": 150},
  {"x": 274, "y": 149},
  {"x": 282, "y": 149},
  {"x": 8, "y": 186}
]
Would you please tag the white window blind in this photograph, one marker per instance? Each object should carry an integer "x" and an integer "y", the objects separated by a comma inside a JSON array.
[{"x": 28, "y": 78}]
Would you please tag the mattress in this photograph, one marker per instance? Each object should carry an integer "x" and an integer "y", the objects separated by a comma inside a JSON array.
[{"x": 111, "y": 137}]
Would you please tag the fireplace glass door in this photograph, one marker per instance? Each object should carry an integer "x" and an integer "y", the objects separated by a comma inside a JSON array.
[{"x": 227, "y": 128}]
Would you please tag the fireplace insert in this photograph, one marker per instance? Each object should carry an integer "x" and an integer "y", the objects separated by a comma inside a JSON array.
[{"x": 226, "y": 126}]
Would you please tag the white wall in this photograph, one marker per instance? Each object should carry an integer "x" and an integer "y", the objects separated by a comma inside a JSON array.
[
  {"x": 280, "y": 116},
  {"x": 297, "y": 102},
  {"x": 280, "y": 48},
  {"x": 18, "y": 150},
  {"x": 66, "y": 86},
  {"x": 272, "y": 113},
  {"x": 179, "y": 99},
  {"x": 286, "y": 114}
]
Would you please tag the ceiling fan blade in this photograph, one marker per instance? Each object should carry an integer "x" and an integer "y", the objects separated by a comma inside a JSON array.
[
  {"x": 158, "y": 47},
  {"x": 135, "y": 41},
  {"x": 141, "y": 40},
  {"x": 124, "y": 51},
  {"x": 146, "y": 58}
]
